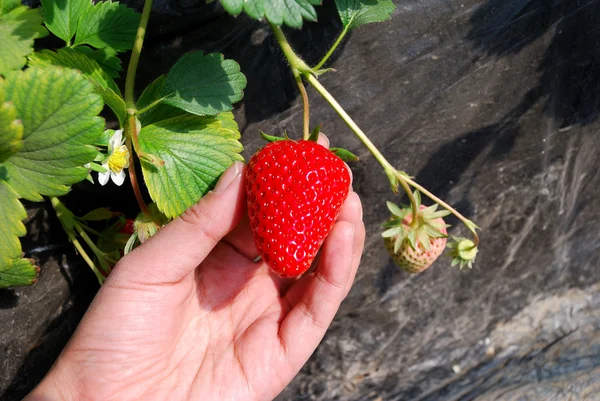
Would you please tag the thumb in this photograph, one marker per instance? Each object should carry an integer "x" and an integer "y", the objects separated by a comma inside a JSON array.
[{"x": 180, "y": 246}]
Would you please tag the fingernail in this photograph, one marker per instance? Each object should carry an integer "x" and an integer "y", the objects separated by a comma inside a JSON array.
[
  {"x": 351, "y": 174},
  {"x": 230, "y": 175},
  {"x": 323, "y": 138},
  {"x": 351, "y": 236},
  {"x": 360, "y": 206}
]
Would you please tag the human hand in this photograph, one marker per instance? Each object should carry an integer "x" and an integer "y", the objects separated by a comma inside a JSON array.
[{"x": 189, "y": 316}]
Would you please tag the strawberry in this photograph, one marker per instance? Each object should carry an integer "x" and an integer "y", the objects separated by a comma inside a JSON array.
[
  {"x": 128, "y": 227},
  {"x": 414, "y": 247},
  {"x": 295, "y": 192}
]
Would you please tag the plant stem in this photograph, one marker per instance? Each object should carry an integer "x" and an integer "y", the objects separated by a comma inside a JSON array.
[
  {"x": 389, "y": 169},
  {"x": 91, "y": 230},
  {"x": 299, "y": 67},
  {"x": 134, "y": 182},
  {"x": 61, "y": 211},
  {"x": 353, "y": 126},
  {"x": 296, "y": 63},
  {"x": 132, "y": 138},
  {"x": 98, "y": 252},
  {"x": 87, "y": 259},
  {"x": 135, "y": 55},
  {"x": 306, "y": 106},
  {"x": 333, "y": 47}
]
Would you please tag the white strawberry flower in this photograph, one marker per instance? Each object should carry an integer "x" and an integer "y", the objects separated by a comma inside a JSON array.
[{"x": 117, "y": 160}]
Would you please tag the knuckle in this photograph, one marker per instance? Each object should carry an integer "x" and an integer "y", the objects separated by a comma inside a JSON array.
[{"x": 202, "y": 219}]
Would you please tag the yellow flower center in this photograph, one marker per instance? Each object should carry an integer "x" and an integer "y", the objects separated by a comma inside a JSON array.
[{"x": 119, "y": 159}]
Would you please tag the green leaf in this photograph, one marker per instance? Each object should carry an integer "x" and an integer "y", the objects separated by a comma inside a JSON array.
[
  {"x": 354, "y": 13},
  {"x": 101, "y": 213},
  {"x": 18, "y": 29},
  {"x": 14, "y": 270},
  {"x": 204, "y": 84},
  {"x": 20, "y": 273},
  {"x": 62, "y": 16},
  {"x": 78, "y": 61},
  {"x": 278, "y": 12},
  {"x": 196, "y": 151},
  {"x": 8, "y": 5},
  {"x": 105, "y": 86},
  {"x": 115, "y": 102},
  {"x": 108, "y": 25},
  {"x": 11, "y": 129},
  {"x": 58, "y": 108},
  {"x": 107, "y": 58},
  {"x": 103, "y": 139},
  {"x": 160, "y": 111}
]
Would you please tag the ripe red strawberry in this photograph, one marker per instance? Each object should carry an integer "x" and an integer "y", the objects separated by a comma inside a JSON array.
[
  {"x": 414, "y": 248},
  {"x": 295, "y": 192}
]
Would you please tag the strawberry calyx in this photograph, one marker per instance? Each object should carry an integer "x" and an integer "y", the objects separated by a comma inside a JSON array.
[
  {"x": 314, "y": 135},
  {"x": 344, "y": 154},
  {"x": 274, "y": 138},
  {"x": 426, "y": 226},
  {"x": 463, "y": 252}
]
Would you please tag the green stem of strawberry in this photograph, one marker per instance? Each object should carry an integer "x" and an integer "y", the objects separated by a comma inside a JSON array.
[
  {"x": 133, "y": 145},
  {"x": 333, "y": 48},
  {"x": 65, "y": 216},
  {"x": 87, "y": 260},
  {"x": 296, "y": 63},
  {"x": 90, "y": 230},
  {"x": 135, "y": 55},
  {"x": 306, "y": 108},
  {"x": 390, "y": 171},
  {"x": 299, "y": 67},
  {"x": 103, "y": 258}
]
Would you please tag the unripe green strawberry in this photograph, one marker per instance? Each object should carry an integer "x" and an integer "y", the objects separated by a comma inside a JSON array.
[
  {"x": 295, "y": 191},
  {"x": 414, "y": 247}
]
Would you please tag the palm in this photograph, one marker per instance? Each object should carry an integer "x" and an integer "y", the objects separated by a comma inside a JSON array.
[
  {"x": 232, "y": 311},
  {"x": 185, "y": 317}
]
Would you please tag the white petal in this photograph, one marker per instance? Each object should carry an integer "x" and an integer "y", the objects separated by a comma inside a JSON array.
[
  {"x": 103, "y": 177},
  {"x": 118, "y": 178},
  {"x": 116, "y": 140}
]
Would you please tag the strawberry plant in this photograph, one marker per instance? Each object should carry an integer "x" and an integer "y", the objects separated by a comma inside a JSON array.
[{"x": 181, "y": 134}]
